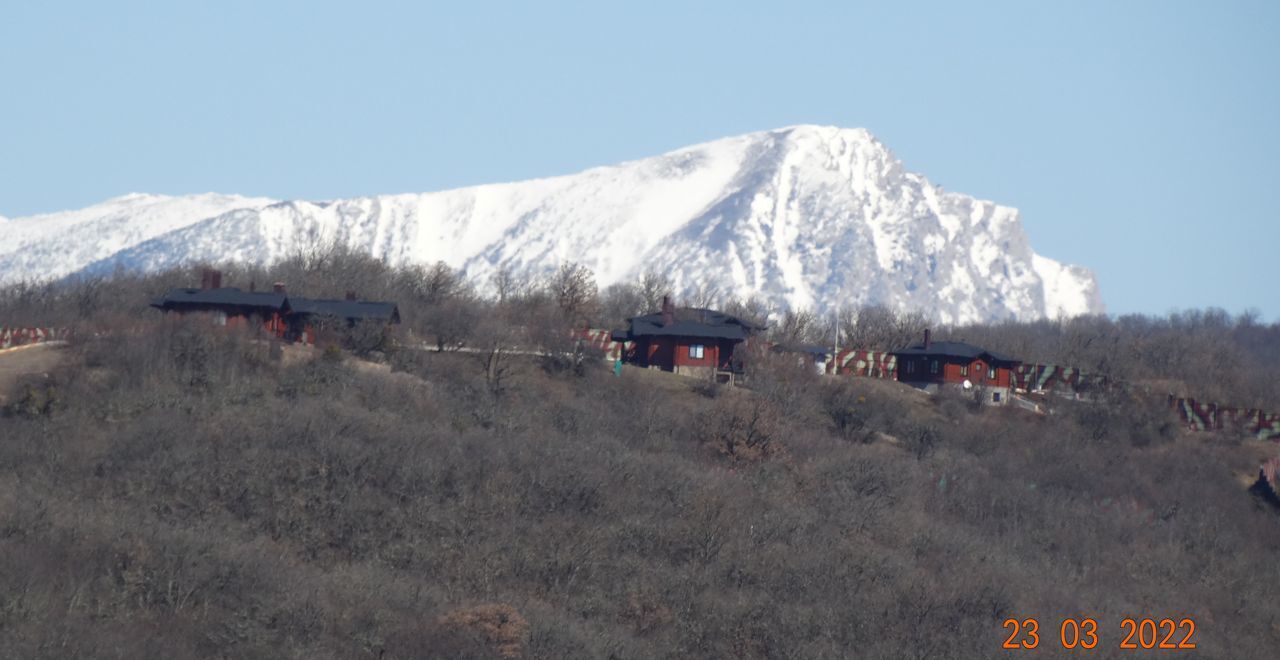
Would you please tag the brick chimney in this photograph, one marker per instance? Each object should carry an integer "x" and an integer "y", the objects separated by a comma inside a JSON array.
[
  {"x": 351, "y": 295},
  {"x": 927, "y": 342},
  {"x": 215, "y": 279},
  {"x": 668, "y": 311},
  {"x": 206, "y": 279},
  {"x": 278, "y": 287},
  {"x": 253, "y": 286}
]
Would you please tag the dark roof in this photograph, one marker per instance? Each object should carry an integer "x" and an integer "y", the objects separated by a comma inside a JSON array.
[
  {"x": 233, "y": 297},
  {"x": 346, "y": 309},
  {"x": 225, "y": 296},
  {"x": 954, "y": 349},
  {"x": 691, "y": 322}
]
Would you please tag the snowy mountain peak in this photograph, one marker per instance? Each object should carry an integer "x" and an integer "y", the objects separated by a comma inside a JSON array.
[{"x": 805, "y": 216}]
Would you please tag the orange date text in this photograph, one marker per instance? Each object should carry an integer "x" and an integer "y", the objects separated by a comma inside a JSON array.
[{"x": 1086, "y": 633}]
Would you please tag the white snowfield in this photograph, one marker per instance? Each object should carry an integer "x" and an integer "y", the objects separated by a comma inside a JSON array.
[{"x": 805, "y": 216}]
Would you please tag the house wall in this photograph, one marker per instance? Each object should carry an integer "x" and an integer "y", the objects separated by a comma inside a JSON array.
[
  {"x": 951, "y": 370},
  {"x": 710, "y": 353},
  {"x": 977, "y": 374},
  {"x": 951, "y": 373},
  {"x": 237, "y": 317},
  {"x": 915, "y": 369},
  {"x": 672, "y": 354},
  {"x": 660, "y": 353},
  {"x": 270, "y": 323}
]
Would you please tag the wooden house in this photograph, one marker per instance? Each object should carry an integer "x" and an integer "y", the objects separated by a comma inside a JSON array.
[
  {"x": 933, "y": 365},
  {"x": 695, "y": 342},
  {"x": 812, "y": 356},
  {"x": 229, "y": 306},
  {"x": 292, "y": 318},
  {"x": 310, "y": 317}
]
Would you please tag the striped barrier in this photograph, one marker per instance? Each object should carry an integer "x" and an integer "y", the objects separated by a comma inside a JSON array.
[
  {"x": 602, "y": 340},
  {"x": 1203, "y": 416},
  {"x": 868, "y": 364},
  {"x": 1042, "y": 377},
  {"x": 15, "y": 337}
]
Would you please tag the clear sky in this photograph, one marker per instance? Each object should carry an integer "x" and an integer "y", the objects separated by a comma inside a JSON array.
[{"x": 1139, "y": 139}]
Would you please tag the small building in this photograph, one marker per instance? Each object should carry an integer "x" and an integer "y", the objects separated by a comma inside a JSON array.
[
  {"x": 810, "y": 355},
  {"x": 931, "y": 366},
  {"x": 308, "y": 316},
  {"x": 229, "y": 306},
  {"x": 695, "y": 342},
  {"x": 291, "y": 318}
]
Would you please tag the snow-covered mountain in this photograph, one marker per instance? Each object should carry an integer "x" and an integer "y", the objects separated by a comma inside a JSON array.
[
  {"x": 805, "y": 216},
  {"x": 57, "y": 244}
]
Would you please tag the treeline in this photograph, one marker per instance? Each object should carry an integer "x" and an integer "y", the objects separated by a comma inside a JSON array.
[
  {"x": 184, "y": 491},
  {"x": 1207, "y": 354}
]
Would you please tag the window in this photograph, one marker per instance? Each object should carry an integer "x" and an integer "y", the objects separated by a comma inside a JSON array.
[
  {"x": 695, "y": 351},
  {"x": 964, "y": 370},
  {"x": 911, "y": 366},
  {"x": 995, "y": 396},
  {"x": 933, "y": 367},
  {"x": 991, "y": 373}
]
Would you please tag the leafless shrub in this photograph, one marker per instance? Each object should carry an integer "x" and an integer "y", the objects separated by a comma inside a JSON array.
[
  {"x": 186, "y": 495},
  {"x": 499, "y": 624}
]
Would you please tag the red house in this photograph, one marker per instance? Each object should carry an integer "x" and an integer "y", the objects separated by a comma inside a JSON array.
[
  {"x": 690, "y": 341},
  {"x": 229, "y": 306},
  {"x": 277, "y": 314},
  {"x": 933, "y": 365}
]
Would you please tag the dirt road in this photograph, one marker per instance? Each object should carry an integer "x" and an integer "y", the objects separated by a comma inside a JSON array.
[{"x": 34, "y": 359}]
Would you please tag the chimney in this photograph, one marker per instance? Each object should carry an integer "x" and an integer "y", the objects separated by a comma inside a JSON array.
[
  {"x": 206, "y": 279},
  {"x": 215, "y": 279},
  {"x": 668, "y": 311},
  {"x": 927, "y": 343},
  {"x": 253, "y": 286},
  {"x": 351, "y": 295},
  {"x": 278, "y": 287}
]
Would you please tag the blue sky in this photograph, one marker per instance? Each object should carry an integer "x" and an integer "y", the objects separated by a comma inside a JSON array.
[{"x": 1139, "y": 139}]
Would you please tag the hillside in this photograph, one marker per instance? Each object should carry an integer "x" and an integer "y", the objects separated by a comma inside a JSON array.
[
  {"x": 177, "y": 492},
  {"x": 802, "y": 217}
]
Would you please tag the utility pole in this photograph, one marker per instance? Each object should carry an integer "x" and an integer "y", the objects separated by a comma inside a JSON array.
[{"x": 835, "y": 343}]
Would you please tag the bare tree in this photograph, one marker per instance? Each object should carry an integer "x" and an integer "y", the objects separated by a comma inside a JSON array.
[
  {"x": 442, "y": 306},
  {"x": 753, "y": 310},
  {"x": 871, "y": 327},
  {"x": 909, "y": 327},
  {"x": 574, "y": 288},
  {"x": 620, "y": 302},
  {"x": 653, "y": 286},
  {"x": 799, "y": 326},
  {"x": 505, "y": 283},
  {"x": 705, "y": 295},
  {"x": 433, "y": 284}
]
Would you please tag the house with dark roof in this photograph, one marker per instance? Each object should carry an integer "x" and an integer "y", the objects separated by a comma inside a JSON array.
[
  {"x": 690, "y": 341},
  {"x": 228, "y": 306},
  {"x": 292, "y": 318},
  {"x": 933, "y": 365},
  {"x": 307, "y": 316},
  {"x": 810, "y": 355}
]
